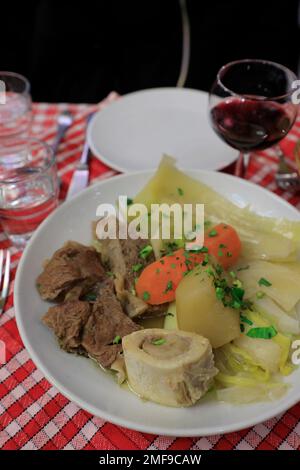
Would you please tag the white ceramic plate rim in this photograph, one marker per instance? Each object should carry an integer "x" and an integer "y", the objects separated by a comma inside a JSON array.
[
  {"x": 123, "y": 169},
  {"x": 184, "y": 432}
]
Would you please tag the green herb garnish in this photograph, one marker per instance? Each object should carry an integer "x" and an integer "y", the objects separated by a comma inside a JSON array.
[
  {"x": 264, "y": 282},
  {"x": 129, "y": 201},
  {"x": 267, "y": 332},
  {"x": 213, "y": 233},
  {"x": 246, "y": 320},
  {"x": 146, "y": 251},
  {"x": 180, "y": 191},
  {"x": 146, "y": 296},
  {"x": 137, "y": 267},
  {"x": 169, "y": 286},
  {"x": 117, "y": 339},
  {"x": 158, "y": 342}
]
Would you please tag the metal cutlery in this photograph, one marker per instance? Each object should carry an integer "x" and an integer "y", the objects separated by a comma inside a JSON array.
[
  {"x": 64, "y": 120},
  {"x": 4, "y": 273},
  {"x": 287, "y": 178},
  {"x": 80, "y": 178}
]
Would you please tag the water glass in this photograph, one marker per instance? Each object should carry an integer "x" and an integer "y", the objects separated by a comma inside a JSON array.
[
  {"x": 15, "y": 107},
  {"x": 28, "y": 188}
]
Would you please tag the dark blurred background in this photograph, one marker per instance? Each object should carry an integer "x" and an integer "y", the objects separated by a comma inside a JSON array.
[{"x": 79, "y": 51}]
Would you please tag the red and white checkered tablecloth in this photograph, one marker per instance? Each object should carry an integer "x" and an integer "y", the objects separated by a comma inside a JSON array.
[{"x": 34, "y": 415}]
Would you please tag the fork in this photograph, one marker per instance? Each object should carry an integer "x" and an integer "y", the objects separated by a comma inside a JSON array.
[
  {"x": 4, "y": 271},
  {"x": 286, "y": 177}
]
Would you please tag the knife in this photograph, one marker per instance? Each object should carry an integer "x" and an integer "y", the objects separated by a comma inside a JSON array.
[{"x": 80, "y": 178}]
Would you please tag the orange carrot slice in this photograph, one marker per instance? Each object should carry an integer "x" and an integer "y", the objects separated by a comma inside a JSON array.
[{"x": 158, "y": 281}]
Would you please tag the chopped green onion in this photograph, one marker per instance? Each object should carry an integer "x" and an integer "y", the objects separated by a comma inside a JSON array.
[
  {"x": 129, "y": 201},
  {"x": 267, "y": 332},
  {"x": 220, "y": 253},
  {"x": 180, "y": 191},
  {"x": 173, "y": 266},
  {"x": 146, "y": 251},
  {"x": 264, "y": 282},
  {"x": 157, "y": 270},
  {"x": 229, "y": 254},
  {"x": 232, "y": 274}
]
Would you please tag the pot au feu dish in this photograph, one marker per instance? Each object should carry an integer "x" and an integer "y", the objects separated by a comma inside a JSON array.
[{"x": 178, "y": 324}]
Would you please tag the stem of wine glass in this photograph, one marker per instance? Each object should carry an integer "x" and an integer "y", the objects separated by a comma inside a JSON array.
[{"x": 241, "y": 164}]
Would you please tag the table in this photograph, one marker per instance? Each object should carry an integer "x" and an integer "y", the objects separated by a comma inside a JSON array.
[{"x": 33, "y": 414}]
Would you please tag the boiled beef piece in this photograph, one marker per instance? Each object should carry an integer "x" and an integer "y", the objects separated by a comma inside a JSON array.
[
  {"x": 70, "y": 265},
  {"x": 106, "y": 322},
  {"x": 121, "y": 256},
  {"x": 67, "y": 321}
]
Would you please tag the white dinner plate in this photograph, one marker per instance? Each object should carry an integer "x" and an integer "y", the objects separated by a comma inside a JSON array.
[
  {"x": 80, "y": 379},
  {"x": 132, "y": 133}
]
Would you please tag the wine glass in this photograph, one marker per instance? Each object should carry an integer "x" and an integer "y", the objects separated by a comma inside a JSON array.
[{"x": 251, "y": 105}]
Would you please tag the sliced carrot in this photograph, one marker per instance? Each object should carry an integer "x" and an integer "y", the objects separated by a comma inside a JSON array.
[{"x": 158, "y": 281}]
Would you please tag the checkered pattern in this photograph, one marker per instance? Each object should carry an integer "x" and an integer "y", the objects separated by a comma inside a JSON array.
[{"x": 34, "y": 415}]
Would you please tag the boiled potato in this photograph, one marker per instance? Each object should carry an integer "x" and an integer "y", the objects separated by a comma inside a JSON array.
[{"x": 199, "y": 311}]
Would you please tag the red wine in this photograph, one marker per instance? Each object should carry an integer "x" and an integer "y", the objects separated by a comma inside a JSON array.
[{"x": 248, "y": 124}]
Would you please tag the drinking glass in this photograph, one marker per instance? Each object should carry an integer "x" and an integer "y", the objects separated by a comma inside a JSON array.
[
  {"x": 251, "y": 105},
  {"x": 28, "y": 188},
  {"x": 15, "y": 107}
]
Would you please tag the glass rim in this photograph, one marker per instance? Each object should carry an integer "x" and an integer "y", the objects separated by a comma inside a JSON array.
[
  {"x": 46, "y": 164},
  {"x": 6, "y": 73},
  {"x": 262, "y": 61}
]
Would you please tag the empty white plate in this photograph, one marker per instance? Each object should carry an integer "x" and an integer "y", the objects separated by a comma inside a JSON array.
[{"x": 132, "y": 133}]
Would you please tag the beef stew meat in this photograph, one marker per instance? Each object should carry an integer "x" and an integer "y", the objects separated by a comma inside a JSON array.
[
  {"x": 107, "y": 321},
  {"x": 67, "y": 321},
  {"x": 70, "y": 265},
  {"x": 121, "y": 256}
]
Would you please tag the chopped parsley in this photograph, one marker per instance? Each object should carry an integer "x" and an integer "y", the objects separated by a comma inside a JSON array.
[
  {"x": 213, "y": 233},
  {"x": 129, "y": 201},
  {"x": 169, "y": 286},
  {"x": 264, "y": 282},
  {"x": 266, "y": 332},
  {"x": 137, "y": 267},
  {"x": 117, "y": 339},
  {"x": 220, "y": 293},
  {"x": 242, "y": 327},
  {"x": 229, "y": 254},
  {"x": 158, "y": 341},
  {"x": 246, "y": 320},
  {"x": 146, "y": 296},
  {"x": 157, "y": 270},
  {"x": 146, "y": 251},
  {"x": 180, "y": 191}
]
